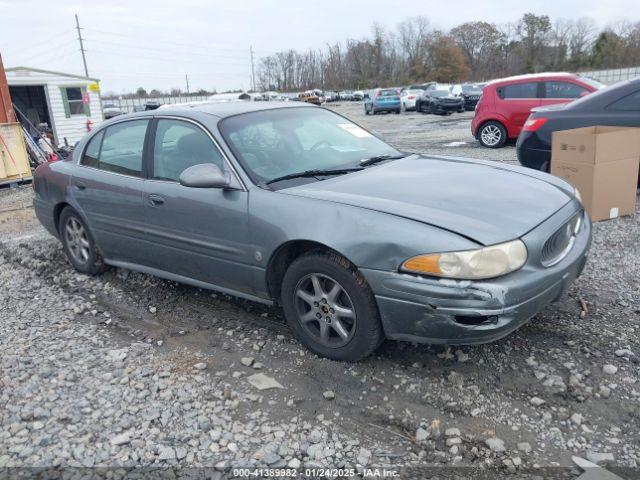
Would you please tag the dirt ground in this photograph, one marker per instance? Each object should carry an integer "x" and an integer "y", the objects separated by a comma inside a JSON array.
[{"x": 565, "y": 384}]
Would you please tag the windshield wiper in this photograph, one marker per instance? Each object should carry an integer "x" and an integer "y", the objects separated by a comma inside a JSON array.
[
  {"x": 314, "y": 173},
  {"x": 379, "y": 158}
]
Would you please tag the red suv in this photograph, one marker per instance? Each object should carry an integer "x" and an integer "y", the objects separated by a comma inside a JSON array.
[{"x": 505, "y": 104}]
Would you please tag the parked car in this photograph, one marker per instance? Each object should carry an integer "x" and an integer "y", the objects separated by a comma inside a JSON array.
[
  {"x": 358, "y": 95},
  {"x": 408, "y": 98},
  {"x": 505, "y": 104},
  {"x": 346, "y": 95},
  {"x": 138, "y": 108},
  {"x": 152, "y": 105},
  {"x": 420, "y": 86},
  {"x": 440, "y": 102},
  {"x": 381, "y": 100},
  {"x": 438, "y": 86},
  {"x": 110, "y": 110},
  {"x": 617, "y": 105},
  {"x": 295, "y": 205},
  {"x": 311, "y": 96},
  {"x": 469, "y": 92}
]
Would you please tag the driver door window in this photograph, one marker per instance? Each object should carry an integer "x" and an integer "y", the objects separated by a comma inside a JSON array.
[{"x": 179, "y": 145}]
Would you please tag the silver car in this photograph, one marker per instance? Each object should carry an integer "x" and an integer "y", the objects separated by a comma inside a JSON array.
[{"x": 295, "y": 205}]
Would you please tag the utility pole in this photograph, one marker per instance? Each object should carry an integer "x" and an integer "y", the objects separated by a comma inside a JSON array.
[
  {"x": 84, "y": 60},
  {"x": 186, "y": 77},
  {"x": 253, "y": 74}
]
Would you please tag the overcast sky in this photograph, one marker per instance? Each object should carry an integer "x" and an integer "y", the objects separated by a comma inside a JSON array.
[{"x": 153, "y": 44}]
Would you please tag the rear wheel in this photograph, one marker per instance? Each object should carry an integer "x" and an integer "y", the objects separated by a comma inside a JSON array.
[
  {"x": 330, "y": 307},
  {"x": 366, "y": 110},
  {"x": 492, "y": 135},
  {"x": 78, "y": 243}
]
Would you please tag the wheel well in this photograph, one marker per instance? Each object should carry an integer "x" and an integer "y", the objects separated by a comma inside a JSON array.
[
  {"x": 282, "y": 258},
  {"x": 57, "y": 210},
  {"x": 494, "y": 120}
]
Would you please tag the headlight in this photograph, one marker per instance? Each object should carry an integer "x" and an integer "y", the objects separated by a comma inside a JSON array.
[
  {"x": 578, "y": 196},
  {"x": 487, "y": 262}
]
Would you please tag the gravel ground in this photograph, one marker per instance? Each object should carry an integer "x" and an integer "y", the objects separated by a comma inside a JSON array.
[{"x": 127, "y": 370}]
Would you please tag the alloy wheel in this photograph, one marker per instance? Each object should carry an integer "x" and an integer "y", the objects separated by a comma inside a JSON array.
[
  {"x": 325, "y": 310},
  {"x": 491, "y": 135},
  {"x": 77, "y": 240}
]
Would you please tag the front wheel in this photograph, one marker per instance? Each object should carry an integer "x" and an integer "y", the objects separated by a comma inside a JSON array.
[
  {"x": 492, "y": 135},
  {"x": 330, "y": 307},
  {"x": 78, "y": 244}
]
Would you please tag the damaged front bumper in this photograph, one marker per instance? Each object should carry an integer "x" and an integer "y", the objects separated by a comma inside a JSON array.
[{"x": 430, "y": 310}]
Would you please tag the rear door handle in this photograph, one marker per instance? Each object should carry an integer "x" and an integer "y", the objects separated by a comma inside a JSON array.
[
  {"x": 155, "y": 200},
  {"x": 80, "y": 186}
]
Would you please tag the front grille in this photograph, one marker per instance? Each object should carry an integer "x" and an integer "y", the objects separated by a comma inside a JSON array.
[{"x": 560, "y": 243}]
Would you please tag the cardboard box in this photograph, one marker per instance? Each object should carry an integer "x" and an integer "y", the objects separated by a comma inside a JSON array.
[{"x": 601, "y": 162}]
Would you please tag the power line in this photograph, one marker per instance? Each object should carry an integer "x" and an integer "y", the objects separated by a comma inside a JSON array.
[
  {"x": 170, "y": 42},
  {"x": 164, "y": 59},
  {"x": 160, "y": 50},
  {"x": 52, "y": 48},
  {"x": 84, "y": 60}
]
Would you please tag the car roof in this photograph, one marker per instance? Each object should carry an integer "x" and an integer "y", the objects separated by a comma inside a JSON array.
[
  {"x": 222, "y": 110},
  {"x": 532, "y": 76}
]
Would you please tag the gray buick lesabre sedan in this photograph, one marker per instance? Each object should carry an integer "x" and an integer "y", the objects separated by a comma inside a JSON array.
[{"x": 298, "y": 206}]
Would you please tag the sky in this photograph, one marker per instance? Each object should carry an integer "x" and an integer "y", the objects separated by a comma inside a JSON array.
[{"x": 155, "y": 44}]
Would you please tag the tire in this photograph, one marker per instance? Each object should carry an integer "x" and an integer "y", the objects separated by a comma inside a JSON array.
[
  {"x": 492, "y": 134},
  {"x": 78, "y": 243},
  {"x": 366, "y": 110},
  {"x": 349, "y": 337},
  {"x": 403, "y": 107},
  {"x": 398, "y": 112}
]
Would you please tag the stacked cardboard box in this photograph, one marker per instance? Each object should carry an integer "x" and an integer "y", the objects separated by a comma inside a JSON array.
[{"x": 602, "y": 163}]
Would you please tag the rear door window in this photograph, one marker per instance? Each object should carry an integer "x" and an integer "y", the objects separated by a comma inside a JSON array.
[
  {"x": 519, "y": 91},
  {"x": 563, "y": 90},
  {"x": 629, "y": 103},
  {"x": 121, "y": 148}
]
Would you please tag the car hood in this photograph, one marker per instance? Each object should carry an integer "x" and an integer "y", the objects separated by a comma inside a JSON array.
[{"x": 483, "y": 201}]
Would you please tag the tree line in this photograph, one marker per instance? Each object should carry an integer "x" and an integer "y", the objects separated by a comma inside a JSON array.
[{"x": 473, "y": 51}]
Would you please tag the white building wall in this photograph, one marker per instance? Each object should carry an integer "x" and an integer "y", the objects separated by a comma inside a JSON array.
[{"x": 74, "y": 127}]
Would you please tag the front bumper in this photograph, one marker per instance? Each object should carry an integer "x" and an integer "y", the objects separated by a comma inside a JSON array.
[
  {"x": 429, "y": 310},
  {"x": 444, "y": 108}
]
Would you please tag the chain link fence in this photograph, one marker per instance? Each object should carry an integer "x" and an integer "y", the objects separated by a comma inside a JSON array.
[
  {"x": 613, "y": 75},
  {"x": 128, "y": 105}
]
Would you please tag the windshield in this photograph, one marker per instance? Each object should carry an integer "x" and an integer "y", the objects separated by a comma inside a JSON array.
[
  {"x": 439, "y": 93},
  {"x": 388, "y": 93},
  {"x": 283, "y": 141}
]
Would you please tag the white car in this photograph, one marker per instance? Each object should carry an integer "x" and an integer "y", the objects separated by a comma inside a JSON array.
[{"x": 408, "y": 99}]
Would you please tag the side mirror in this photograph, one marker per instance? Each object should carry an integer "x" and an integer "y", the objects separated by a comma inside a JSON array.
[{"x": 205, "y": 175}]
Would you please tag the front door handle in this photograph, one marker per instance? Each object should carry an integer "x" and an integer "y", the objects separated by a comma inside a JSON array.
[
  {"x": 80, "y": 186},
  {"x": 155, "y": 200}
]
